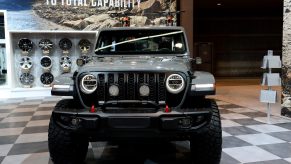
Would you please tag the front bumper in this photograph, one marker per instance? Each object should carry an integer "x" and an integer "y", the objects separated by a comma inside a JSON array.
[{"x": 111, "y": 126}]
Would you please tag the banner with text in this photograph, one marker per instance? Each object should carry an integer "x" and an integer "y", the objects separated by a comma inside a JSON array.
[{"x": 87, "y": 15}]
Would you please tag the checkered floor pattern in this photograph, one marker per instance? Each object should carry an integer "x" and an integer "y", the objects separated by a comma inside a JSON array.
[{"x": 246, "y": 139}]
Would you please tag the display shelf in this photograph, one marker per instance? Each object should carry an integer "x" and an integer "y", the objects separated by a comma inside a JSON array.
[
  {"x": 270, "y": 79},
  {"x": 37, "y": 53}
]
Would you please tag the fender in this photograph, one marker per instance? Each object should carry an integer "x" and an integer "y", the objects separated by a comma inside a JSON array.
[
  {"x": 202, "y": 83},
  {"x": 63, "y": 85}
]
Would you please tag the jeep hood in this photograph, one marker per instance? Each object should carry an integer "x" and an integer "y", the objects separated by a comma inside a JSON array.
[{"x": 137, "y": 64}]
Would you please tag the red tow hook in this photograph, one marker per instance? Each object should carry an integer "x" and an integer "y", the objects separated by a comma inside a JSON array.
[
  {"x": 167, "y": 109},
  {"x": 92, "y": 110}
]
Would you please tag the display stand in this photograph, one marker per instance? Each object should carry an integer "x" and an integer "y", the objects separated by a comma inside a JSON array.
[{"x": 270, "y": 79}]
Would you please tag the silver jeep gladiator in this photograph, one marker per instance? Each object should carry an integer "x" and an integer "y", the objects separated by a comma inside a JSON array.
[{"x": 139, "y": 85}]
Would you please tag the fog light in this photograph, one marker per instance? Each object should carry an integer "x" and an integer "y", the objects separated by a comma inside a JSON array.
[
  {"x": 75, "y": 121},
  {"x": 199, "y": 119},
  {"x": 144, "y": 90},
  {"x": 114, "y": 90},
  {"x": 186, "y": 122},
  {"x": 65, "y": 119}
]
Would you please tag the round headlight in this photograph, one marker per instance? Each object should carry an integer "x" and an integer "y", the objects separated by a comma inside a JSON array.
[
  {"x": 88, "y": 84},
  {"x": 144, "y": 90},
  {"x": 114, "y": 90},
  {"x": 175, "y": 83}
]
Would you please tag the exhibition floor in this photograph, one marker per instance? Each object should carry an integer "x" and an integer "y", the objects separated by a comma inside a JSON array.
[
  {"x": 24, "y": 123},
  {"x": 246, "y": 93}
]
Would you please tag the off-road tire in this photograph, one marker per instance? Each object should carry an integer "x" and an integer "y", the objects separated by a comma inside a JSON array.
[
  {"x": 286, "y": 112},
  {"x": 206, "y": 145},
  {"x": 66, "y": 147}
]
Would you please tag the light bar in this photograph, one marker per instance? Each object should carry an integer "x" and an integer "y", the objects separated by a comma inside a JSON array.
[
  {"x": 61, "y": 86},
  {"x": 202, "y": 87}
]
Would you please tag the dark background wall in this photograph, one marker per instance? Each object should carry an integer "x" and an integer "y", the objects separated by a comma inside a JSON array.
[{"x": 240, "y": 33}]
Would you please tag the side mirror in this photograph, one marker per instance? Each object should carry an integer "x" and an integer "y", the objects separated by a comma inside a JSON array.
[
  {"x": 80, "y": 62},
  {"x": 198, "y": 60}
]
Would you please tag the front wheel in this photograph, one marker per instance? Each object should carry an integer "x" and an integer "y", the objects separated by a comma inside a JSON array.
[
  {"x": 66, "y": 147},
  {"x": 206, "y": 145}
]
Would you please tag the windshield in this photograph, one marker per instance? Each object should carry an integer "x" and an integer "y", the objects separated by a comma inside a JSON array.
[{"x": 141, "y": 42}]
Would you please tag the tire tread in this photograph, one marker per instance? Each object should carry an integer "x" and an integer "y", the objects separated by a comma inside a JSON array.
[
  {"x": 65, "y": 147},
  {"x": 206, "y": 145}
]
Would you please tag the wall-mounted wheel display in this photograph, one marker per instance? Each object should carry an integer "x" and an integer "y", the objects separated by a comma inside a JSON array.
[
  {"x": 25, "y": 63},
  {"x": 25, "y": 45},
  {"x": 47, "y": 78},
  {"x": 26, "y": 79},
  {"x": 66, "y": 64},
  {"x": 65, "y": 44},
  {"x": 46, "y": 63},
  {"x": 45, "y": 55},
  {"x": 84, "y": 45},
  {"x": 46, "y": 45}
]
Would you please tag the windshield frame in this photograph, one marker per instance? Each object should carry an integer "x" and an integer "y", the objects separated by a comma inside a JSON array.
[{"x": 166, "y": 32}]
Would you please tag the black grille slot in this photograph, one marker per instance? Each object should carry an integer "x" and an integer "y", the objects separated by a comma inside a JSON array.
[
  {"x": 162, "y": 89},
  {"x": 152, "y": 86},
  {"x": 141, "y": 78},
  {"x": 121, "y": 85},
  {"x": 110, "y": 78},
  {"x": 101, "y": 87},
  {"x": 131, "y": 86}
]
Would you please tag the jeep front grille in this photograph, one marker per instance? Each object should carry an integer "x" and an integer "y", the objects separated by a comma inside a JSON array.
[{"x": 129, "y": 83}]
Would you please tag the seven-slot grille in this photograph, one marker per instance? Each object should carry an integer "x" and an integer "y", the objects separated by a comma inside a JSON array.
[{"x": 129, "y": 84}]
